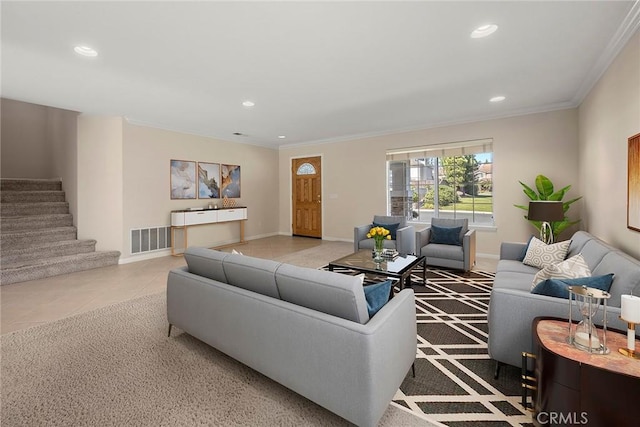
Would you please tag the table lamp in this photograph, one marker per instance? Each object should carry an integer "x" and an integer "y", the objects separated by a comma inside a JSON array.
[{"x": 545, "y": 211}]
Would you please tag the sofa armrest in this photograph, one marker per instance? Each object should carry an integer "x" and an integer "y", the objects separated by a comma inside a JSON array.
[
  {"x": 422, "y": 238},
  {"x": 469, "y": 248},
  {"x": 360, "y": 233},
  {"x": 512, "y": 250},
  {"x": 406, "y": 240}
]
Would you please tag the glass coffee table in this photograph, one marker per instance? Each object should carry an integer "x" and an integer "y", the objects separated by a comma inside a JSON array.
[{"x": 400, "y": 268}]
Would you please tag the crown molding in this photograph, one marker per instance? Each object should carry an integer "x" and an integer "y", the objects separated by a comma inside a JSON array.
[
  {"x": 628, "y": 27},
  {"x": 426, "y": 126}
]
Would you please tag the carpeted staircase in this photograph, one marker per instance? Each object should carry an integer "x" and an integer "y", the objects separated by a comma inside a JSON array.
[{"x": 38, "y": 238}]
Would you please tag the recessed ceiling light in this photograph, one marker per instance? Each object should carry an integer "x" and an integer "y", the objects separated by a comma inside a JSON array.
[
  {"x": 85, "y": 51},
  {"x": 484, "y": 31},
  {"x": 248, "y": 103},
  {"x": 497, "y": 99},
  {"x": 281, "y": 136}
]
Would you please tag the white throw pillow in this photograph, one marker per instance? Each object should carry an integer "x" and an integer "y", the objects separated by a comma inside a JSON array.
[
  {"x": 571, "y": 268},
  {"x": 540, "y": 255}
]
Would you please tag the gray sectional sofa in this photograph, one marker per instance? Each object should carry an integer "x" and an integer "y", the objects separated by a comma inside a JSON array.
[
  {"x": 513, "y": 307},
  {"x": 307, "y": 329}
]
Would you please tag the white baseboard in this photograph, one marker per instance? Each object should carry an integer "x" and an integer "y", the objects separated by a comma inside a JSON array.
[{"x": 490, "y": 256}]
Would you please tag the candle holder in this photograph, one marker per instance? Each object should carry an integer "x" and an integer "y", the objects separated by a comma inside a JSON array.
[
  {"x": 585, "y": 336},
  {"x": 630, "y": 351},
  {"x": 630, "y": 313}
]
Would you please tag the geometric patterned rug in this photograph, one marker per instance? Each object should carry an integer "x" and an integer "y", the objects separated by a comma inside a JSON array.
[{"x": 454, "y": 383}]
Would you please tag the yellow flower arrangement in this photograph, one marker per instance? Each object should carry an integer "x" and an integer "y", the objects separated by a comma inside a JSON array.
[{"x": 378, "y": 234}]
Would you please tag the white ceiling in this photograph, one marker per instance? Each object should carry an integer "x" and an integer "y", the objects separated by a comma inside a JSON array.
[{"x": 317, "y": 71}]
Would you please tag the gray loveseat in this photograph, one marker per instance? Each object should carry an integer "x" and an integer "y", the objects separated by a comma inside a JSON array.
[
  {"x": 513, "y": 307},
  {"x": 307, "y": 329}
]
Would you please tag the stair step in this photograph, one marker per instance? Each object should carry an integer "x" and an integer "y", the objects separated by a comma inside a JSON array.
[
  {"x": 24, "y": 209},
  {"x": 39, "y": 269},
  {"x": 21, "y": 184},
  {"x": 13, "y": 257},
  {"x": 32, "y": 222},
  {"x": 31, "y": 196},
  {"x": 25, "y": 239}
]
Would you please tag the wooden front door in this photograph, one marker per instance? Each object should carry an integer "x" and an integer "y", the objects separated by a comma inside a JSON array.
[{"x": 306, "y": 176}]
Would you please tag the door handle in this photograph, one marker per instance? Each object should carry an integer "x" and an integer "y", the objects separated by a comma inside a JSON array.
[{"x": 319, "y": 200}]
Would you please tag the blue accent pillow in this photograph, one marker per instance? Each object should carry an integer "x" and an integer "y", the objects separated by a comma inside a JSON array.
[
  {"x": 445, "y": 235},
  {"x": 393, "y": 228},
  {"x": 524, "y": 251},
  {"x": 377, "y": 296},
  {"x": 559, "y": 288}
]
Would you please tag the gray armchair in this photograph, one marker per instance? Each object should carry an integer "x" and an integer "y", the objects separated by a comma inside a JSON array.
[
  {"x": 404, "y": 242},
  {"x": 459, "y": 256}
]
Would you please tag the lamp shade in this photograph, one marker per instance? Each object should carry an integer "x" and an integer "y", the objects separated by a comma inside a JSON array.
[{"x": 545, "y": 210}]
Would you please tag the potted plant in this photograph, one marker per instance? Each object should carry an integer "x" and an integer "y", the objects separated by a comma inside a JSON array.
[{"x": 545, "y": 191}]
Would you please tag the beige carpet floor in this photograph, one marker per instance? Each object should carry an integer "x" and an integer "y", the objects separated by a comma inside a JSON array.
[
  {"x": 318, "y": 256},
  {"x": 115, "y": 366}
]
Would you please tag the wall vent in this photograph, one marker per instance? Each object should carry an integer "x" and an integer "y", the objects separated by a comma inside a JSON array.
[{"x": 150, "y": 239}]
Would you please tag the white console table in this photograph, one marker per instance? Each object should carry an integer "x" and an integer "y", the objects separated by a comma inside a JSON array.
[{"x": 188, "y": 217}]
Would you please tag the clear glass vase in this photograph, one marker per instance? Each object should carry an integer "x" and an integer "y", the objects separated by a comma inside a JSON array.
[{"x": 377, "y": 251}]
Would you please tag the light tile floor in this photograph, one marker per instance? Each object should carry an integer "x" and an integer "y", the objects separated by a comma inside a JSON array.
[{"x": 27, "y": 304}]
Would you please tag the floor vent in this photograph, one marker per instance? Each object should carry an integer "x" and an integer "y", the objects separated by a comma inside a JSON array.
[{"x": 150, "y": 239}]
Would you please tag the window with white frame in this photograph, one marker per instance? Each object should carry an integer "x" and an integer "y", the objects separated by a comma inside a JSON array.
[{"x": 444, "y": 181}]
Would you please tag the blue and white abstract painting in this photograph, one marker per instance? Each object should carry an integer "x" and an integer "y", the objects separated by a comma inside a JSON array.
[
  {"x": 230, "y": 181},
  {"x": 208, "y": 180}
]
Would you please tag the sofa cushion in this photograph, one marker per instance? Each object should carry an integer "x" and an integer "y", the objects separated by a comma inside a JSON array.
[
  {"x": 578, "y": 240},
  {"x": 559, "y": 288},
  {"x": 450, "y": 222},
  {"x": 445, "y": 235},
  {"x": 390, "y": 219},
  {"x": 252, "y": 274},
  {"x": 435, "y": 250},
  {"x": 627, "y": 275},
  {"x": 516, "y": 266},
  {"x": 206, "y": 262},
  {"x": 512, "y": 280},
  {"x": 594, "y": 251},
  {"x": 332, "y": 293},
  {"x": 573, "y": 267},
  {"x": 540, "y": 254},
  {"x": 377, "y": 295}
]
